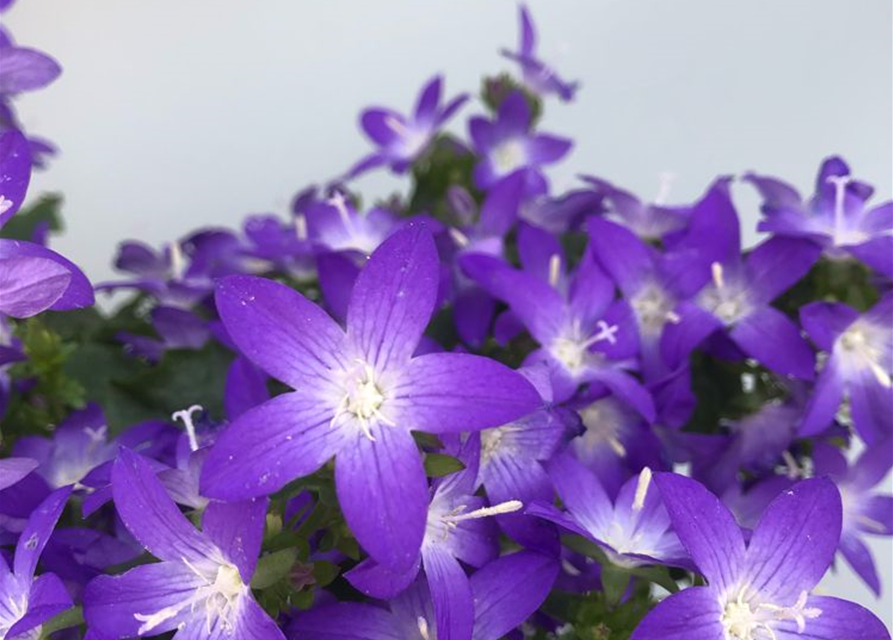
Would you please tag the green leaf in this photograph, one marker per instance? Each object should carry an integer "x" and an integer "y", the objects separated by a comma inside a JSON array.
[
  {"x": 22, "y": 225},
  {"x": 325, "y": 573},
  {"x": 273, "y": 567},
  {"x": 438, "y": 465},
  {"x": 69, "y": 618},
  {"x": 615, "y": 580}
]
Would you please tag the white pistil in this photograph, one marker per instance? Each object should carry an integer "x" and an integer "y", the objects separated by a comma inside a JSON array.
[
  {"x": 605, "y": 332},
  {"x": 554, "y": 270},
  {"x": 642, "y": 489},
  {"x": 423, "y": 628},
  {"x": 459, "y": 238},
  {"x": 186, "y": 416},
  {"x": 840, "y": 184},
  {"x": 663, "y": 190},
  {"x": 301, "y": 226},
  {"x": 792, "y": 468},
  {"x": 457, "y": 516},
  {"x": 717, "y": 272}
]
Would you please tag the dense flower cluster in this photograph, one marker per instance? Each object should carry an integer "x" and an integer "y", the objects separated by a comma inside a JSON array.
[{"x": 456, "y": 414}]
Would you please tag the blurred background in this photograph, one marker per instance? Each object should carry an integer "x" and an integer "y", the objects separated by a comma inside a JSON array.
[{"x": 172, "y": 115}]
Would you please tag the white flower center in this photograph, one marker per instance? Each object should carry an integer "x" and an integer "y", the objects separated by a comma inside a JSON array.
[
  {"x": 865, "y": 346},
  {"x": 12, "y": 611},
  {"x": 572, "y": 349},
  {"x": 508, "y": 156},
  {"x": 495, "y": 440},
  {"x": 219, "y": 597},
  {"x": 363, "y": 399},
  {"x": 745, "y": 619},
  {"x": 728, "y": 303},
  {"x": 653, "y": 308},
  {"x": 603, "y": 423}
]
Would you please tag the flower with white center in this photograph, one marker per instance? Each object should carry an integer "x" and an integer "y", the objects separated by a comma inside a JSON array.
[
  {"x": 759, "y": 590},
  {"x": 574, "y": 350},
  {"x": 728, "y": 301},
  {"x": 509, "y": 156}
]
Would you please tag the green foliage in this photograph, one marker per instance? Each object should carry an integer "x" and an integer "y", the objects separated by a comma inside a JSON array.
[{"x": 43, "y": 212}]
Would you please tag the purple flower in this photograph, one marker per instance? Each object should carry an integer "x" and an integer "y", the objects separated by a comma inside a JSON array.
[
  {"x": 865, "y": 512},
  {"x": 584, "y": 335},
  {"x": 860, "y": 359},
  {"x": 837, "y": 217},
  {"x": 335, "y": 225},
  {"x": 32, "y": 278},
  {"x": 650, "y": 222},
  {"x": 734, "y": 292},
  {"x": 357, "y": 394},
  {"x": 537, "y": 76},
  {"x": 505, "y": 593},
  {"x": 401, "y": 140},
  {"x": 200, "y": 586},
  {"x": 27, "y": 602},
  {"x": 176, "y": 328},
  {"x": 506, "y": 145},
  {"x": 760, "y": 590},
  {"x": 633, "y": 531}
]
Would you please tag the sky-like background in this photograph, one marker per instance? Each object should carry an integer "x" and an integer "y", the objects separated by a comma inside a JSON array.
[{"x": 174, "y": 114}]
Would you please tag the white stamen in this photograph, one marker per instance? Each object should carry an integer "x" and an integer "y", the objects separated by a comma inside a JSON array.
[
  {"x": 178, "y": 261},
  {"x": 743, "y": 619},
  {"x": 395, "y": 125},
  {"x": 423, "y": 628},
  {"x": 673, "y": 317},
  {"x": 186, "y": 416},
  {"x": 301, "y": 226},
  {"x": 663, "y": 190},
  {"x": 459, "y": 238},
  {"x": 717, "y": 273},
  {"x": 5, "y": 204},
  {"x": 642, "y": 489},
  {"x": 792, "y": 467},
  {"x": 554, "y": 270},
  {"x": 485, "y": 512},
  {"x": 363, "y": 398}
]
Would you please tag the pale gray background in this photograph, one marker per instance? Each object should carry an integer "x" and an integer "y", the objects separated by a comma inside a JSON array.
[{"x": 178, "y": 113}]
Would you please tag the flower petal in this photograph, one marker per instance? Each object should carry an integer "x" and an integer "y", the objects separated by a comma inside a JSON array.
[
  {"x": 278, "y": 329},
  {"x": 839, "y": 620},
  {"x": 581, "y": 492},
  {"x": 149, "y": 513},
  {"x": 383, "y": 493},
  {"x": 450, "y": 593},
  {"x": 508, "y": 591},
  {"x": 111, "y": 603},
  {"x": 451, "y": 392},
  {"x": 778, "y": 264},
  {"x": 824, "y": 401},
  {"x": 15, "y": 172},
  {"x": 706, "y": 528},
  {"x": 394, "y": 296},
  {"x": 346, "y": 621},
  {"x": 37, "y": 532},
  {"x": 774, "y": 340},
  {"x": 859, "y": 558},
  {"x": 265, "y": 448},
  {"x": 689, "y": 614},
  {"x": 377, "y": 581},
  {"x": 30, "y": 285},
  {"x": 795, "y": 540},
  {"x": 79, "y": 292},
  {"x": 237, "y": 528},
  {"x": 48, "y": 598},
  {"x": 14, "y": 469}
]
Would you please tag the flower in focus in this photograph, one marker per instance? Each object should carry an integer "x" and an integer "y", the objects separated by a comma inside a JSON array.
[{"x": 760, "y": 590}]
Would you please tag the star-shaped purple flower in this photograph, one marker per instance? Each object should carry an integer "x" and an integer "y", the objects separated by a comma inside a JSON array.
[
  {"x": 760, "y": 590},
  {"x": 858, "y": 368},
  {"x": 507, "y": 144},
  {"x": 837, "y": 217},
  {"x": 538, "y": 77},
  {"x": 401, "y": 139},
  {"x": 200, "y": 586},
  {"x": 357, "y": 394}
]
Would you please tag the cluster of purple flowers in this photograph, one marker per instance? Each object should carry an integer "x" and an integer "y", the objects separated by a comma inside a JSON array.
[{"x": 457, "y": 416}]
